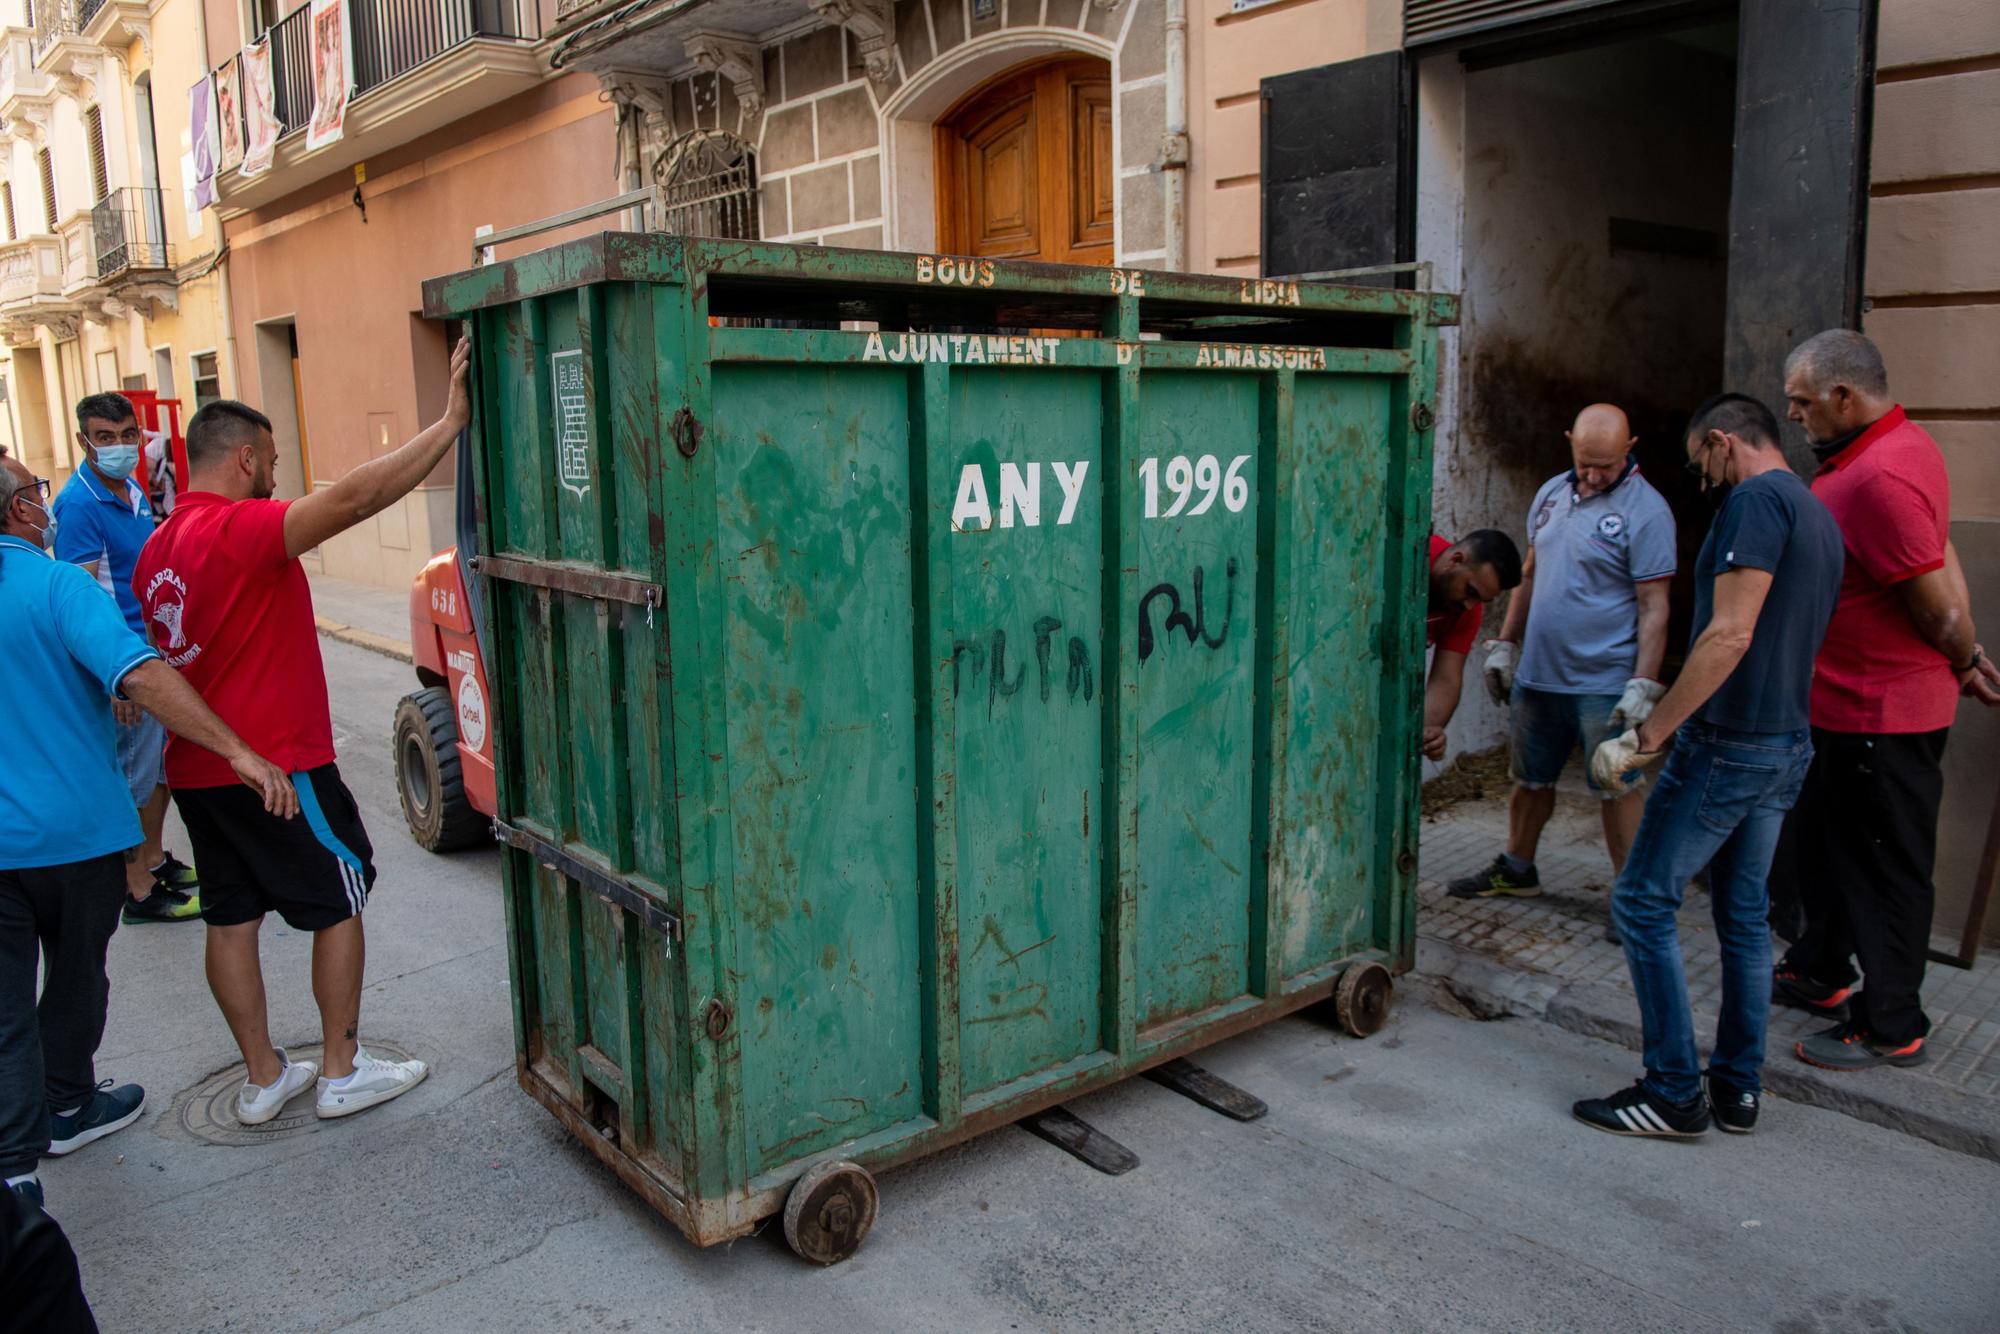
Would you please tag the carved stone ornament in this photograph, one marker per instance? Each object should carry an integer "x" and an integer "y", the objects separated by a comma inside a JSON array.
[
  {"x": 31, "y": 122},
  {"x": 736, "y": 59},
  {"x": 873, "y": 23},
  {"x": 648, "y": 92},
  {"x": 80, "y": 80}
]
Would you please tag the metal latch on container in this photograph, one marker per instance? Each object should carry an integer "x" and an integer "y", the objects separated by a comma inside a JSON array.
[
  {"x": 1422, "y": 416},
  {"x": 605, "y": 884},
  {"x": 716, "y": 1017},
  {"x": 685, "y": 429}
]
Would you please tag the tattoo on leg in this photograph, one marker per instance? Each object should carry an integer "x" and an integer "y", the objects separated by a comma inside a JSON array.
[{"x": 349, "y": 1035}]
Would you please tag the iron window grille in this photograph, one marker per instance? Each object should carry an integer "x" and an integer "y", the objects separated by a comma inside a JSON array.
[{"x": 708, "y": 186}]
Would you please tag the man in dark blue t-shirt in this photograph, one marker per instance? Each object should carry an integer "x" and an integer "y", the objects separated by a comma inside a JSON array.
[{"x": 1765, "y": 585}]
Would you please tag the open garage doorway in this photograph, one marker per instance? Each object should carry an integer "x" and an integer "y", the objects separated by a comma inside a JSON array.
[{"x": 1596, "y": 204}]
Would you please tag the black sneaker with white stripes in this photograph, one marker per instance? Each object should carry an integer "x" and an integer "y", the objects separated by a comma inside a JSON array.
[
  {"x": 1735, "y": 1109},
  {"x": 1638, "y": 1111}
]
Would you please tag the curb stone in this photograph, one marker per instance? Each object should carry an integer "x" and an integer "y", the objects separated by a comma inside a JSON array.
[
  {"x": 1927, "y": 1110},
  {"x": 359, "y": 638}
]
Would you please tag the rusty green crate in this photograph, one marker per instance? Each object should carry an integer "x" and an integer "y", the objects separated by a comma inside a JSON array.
[{"x": 900, "y": 731}]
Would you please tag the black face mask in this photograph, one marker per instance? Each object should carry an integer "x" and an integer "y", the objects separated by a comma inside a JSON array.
[{"x": 1830, "y": 448}]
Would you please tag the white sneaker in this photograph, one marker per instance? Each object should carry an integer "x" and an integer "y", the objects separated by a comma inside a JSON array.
[
  {"x": 373, "y": 1081},
  {"x": 258, "y": 1103}
]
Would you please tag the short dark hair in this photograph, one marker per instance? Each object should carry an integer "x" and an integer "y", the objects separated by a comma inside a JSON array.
[
  {"x": 1490, "y": 546},
  {"x": 1739, "y": 415},
  {"x": 1840, "y": 356},
  {"x": 220, "y": 427},
  {"x": 113, "y": 408}
]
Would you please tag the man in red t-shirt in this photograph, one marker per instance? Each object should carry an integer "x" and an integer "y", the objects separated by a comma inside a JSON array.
[
  {"x": 227, "y": 602},
  {"x": 1898, "y": 654},
  {"x": 1465, "y": 576}
]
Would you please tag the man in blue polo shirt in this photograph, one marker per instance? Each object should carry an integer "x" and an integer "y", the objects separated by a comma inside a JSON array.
[
  {"x": 1588, "y": 627},
  {"x": 67, "y": 827},
  {"x": 102, "y": 520}
]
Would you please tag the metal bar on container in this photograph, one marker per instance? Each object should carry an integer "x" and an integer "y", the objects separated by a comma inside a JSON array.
[
  {"x": 590, "y": 583},
  {"x": 564, "y": 219}
]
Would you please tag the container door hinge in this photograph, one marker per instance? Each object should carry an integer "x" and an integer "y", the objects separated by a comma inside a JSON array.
[
  {"x": 685, "y": 428},
  {"x": 1422, "y": 416}
]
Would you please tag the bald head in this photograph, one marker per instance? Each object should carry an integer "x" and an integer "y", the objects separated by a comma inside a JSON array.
[{"x": 1599, "y": 444}]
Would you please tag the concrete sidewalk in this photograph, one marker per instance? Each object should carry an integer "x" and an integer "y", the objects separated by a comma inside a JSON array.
[
  {"x": 1547, "y": 957},
  {"x": 377, "y": 619}
]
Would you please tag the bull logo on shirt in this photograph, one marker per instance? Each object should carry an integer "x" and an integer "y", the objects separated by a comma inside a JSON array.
[
  {"x": 169, "y": 617},
  {"x": 166, "y": 609}
]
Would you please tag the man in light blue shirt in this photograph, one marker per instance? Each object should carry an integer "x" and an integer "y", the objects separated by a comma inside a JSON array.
[
  {"x": 1588, "y": 627},
  {"x": 67, "y": 826},
  {"x": 102, "y": 521}
]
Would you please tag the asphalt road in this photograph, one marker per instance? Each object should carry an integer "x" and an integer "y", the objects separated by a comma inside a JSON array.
[{"x": 1428, "y": 1178}]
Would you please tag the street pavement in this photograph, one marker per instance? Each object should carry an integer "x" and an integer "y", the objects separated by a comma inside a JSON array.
[{"x": 1427, "y": 1178}]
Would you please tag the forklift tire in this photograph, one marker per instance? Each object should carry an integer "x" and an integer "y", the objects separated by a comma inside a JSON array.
[{"x": 428, "y": 778}]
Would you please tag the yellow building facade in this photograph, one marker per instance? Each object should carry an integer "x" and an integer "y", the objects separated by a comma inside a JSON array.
[{"x": 106, "y": 280}]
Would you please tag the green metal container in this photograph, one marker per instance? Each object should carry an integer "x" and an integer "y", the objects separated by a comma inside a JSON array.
[{"x": 901, "y": 732}]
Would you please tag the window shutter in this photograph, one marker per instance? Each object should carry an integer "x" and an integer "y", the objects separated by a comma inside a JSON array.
[
  {"x": 100, "y": 174},
  {"x": 48, "y": 167},
  {"x": 1443, "y": 20}
]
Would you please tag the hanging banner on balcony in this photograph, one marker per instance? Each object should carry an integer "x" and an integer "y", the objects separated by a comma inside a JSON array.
[
  {"x": 331, "y": 73},
  {"x": 229, "y": 113},
  {"x": 261, "y": 126},
  {"x": 201, "y": 132}
]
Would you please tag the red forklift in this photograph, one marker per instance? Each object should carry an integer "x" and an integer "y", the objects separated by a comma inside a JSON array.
[{"x": 443, "y": 738}]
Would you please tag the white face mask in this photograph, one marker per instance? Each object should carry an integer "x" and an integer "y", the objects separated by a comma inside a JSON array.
[{"x": 48, "y": 529}]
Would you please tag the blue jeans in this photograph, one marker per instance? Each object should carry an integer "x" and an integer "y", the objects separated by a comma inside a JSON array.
[{"x": 1719, "y": 802}]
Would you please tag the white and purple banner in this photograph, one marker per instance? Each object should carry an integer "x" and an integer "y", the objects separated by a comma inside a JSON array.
[{"x": 204, "y": 145}]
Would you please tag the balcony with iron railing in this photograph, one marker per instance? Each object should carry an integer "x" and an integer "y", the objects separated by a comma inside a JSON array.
[
  {"x": 129, "y": 233},
  {"x": 418, "y": 65}
]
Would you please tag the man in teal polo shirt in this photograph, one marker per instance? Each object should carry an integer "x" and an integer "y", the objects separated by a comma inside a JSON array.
[
  {"x": 102, "y": 520},
  {"x": 67, "y": 826}
]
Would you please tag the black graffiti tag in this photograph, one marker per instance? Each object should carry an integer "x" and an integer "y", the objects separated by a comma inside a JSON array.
[
  {"x": 990, "y": 656},
  {"x": 1195, "y": 626}
]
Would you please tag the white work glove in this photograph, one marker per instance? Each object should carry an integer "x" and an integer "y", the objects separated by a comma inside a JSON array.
[
  {"x": 1636, "y": 704},
  {"x": 1619, "y": 759},
  {"x": 1501, "y": 655}
]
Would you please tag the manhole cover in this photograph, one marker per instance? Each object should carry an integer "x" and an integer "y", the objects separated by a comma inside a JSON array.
[{"x": 208, "y": 1110}]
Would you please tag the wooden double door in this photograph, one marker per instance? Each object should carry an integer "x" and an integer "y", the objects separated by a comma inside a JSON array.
[{"x": 1024, "y": 166}]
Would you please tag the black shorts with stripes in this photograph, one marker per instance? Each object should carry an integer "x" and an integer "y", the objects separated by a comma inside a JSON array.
[{"x": 314, "y": 870}]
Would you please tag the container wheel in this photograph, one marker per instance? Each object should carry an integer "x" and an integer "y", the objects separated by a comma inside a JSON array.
[
  {"x": 829, "y": 1212},
  {"x": 427, "y": 774},
  {"x": 1361, "y": 999}
]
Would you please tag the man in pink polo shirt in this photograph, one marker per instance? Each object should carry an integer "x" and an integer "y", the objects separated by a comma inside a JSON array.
[{"x": 1898, "y": 654}]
